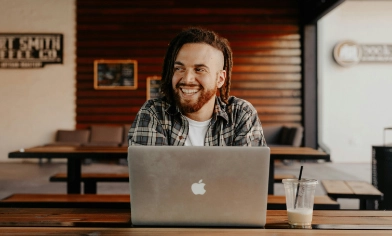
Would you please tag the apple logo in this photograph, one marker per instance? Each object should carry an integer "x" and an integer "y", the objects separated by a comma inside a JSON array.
[{"x": 198, "y": 188}]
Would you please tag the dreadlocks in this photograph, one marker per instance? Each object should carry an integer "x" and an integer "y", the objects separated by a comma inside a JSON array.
[{"x": 196, "y": 35}]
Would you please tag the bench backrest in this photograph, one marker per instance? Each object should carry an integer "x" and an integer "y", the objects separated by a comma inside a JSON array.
[
  {"x": 283, "y": 135},
  {"x": 101, "y": 134},
  {"x": 79, "y": 136}
]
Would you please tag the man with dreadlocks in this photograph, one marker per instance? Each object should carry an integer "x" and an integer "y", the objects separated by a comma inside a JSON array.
[{"x": 197, "y": 65}]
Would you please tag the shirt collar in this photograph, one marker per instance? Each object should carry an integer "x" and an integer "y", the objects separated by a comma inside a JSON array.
[
  {"x": 220, "y": 110},
  {"x": 171, "y": 109}
]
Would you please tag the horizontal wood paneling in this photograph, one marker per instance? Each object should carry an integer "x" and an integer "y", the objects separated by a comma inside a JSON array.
[
  {"x": 264, "y": 36},
  {"x": 266, "y": 76},
  {"x": 238, "y": 68},
  {"x": 273, "y": 93},
  {"x": 188, "y": 4},
  {"x": 265, "y": 85},
  {"x": 243, "y": 44},
  {"x": 177, "y": 11},
  {"x": 88, "y": 76},
  {"x": 140, "y": 52},
  {"x": 148, "y": 35},
  {"x": 196, "y": 20},
  {"x": 267, "y": 60},
  {"x": 244, "y": 28}
]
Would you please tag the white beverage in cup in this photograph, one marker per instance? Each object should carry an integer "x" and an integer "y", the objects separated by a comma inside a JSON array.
[
  {"x": 302, "y": 216},
  {"x": 299, "y": 204}
]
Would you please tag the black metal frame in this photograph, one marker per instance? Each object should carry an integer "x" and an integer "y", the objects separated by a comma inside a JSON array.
[{"x": 310, "y": 12}]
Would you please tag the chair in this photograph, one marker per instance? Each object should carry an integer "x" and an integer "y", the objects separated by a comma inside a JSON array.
[
  {"x": 127, "y": 127},
  {"x": 71, "y": 137},
  {"x": 279, "y": 135},
  {"x": 105, "y": 136}
]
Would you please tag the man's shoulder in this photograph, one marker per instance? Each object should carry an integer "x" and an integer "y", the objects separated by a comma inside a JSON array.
[
  {"x": 240, "y": 104},
  {"x": 155, "y": 105}
]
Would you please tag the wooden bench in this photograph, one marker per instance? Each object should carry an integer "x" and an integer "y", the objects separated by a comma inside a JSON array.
[
  {"x": 320, "y": 203},
  {"x": 279, "y": 178},
  {"x": 90, "y": 180},
  {"x": 365, "y": 192},
  {"x": 122, "y": 201},
  {"x": 117, "y": 201}
]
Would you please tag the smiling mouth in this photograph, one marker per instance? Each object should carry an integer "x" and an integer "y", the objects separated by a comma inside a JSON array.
[{"x": 189, "y": 91}]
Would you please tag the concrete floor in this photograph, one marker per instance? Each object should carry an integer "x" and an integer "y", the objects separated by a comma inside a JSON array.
[{"x": 28, "y": 177}]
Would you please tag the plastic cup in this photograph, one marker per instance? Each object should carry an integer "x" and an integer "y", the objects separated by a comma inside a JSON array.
[{"x": 300, "y": 206}]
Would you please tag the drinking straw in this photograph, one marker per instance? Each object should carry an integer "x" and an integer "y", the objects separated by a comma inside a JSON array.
[{"x": 296, "y": 195}]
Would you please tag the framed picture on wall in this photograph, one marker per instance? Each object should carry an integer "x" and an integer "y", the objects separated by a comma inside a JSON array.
[
  {"x": 115, "y": 74},
  {"x": 153, "y": 87}
]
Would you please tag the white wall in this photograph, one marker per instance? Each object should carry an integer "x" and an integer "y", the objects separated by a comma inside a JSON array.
[
  {"x": 34, "y": 103},
  {"x": 355, "y": 103}
]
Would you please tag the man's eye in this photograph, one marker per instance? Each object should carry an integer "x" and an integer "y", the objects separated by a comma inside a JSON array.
[
  {"x": 177, "y": 68},
  {"x": 200, "y": 69}
]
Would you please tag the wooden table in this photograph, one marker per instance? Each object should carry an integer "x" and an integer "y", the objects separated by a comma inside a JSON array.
[
  {"x": 365, "y": 192},
  {"x": 122, "y": 201},
  {"x": 181, "y": 231},
  {"x": 292, "y": 153},
  {"x": 74, "y": 156},
  {"x": 33, "y": 221}
]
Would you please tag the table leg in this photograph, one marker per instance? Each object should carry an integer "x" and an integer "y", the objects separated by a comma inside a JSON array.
[
  {"x": 271, "y": 177},
  {"x": 90, "y": 187},
  {"x": 73, "y": 175},
  {"x": 367, "y": 204}
]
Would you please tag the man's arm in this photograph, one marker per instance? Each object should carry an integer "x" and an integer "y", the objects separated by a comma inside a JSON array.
[
  {"x": 146, "y": 129},
  {"x": 248, "y": 131}
]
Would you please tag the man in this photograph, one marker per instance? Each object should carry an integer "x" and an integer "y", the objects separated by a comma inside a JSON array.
[{"x": 197, "y": 64}]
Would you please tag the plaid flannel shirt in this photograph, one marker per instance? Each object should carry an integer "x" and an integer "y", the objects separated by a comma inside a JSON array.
[{"x": 160, "y": 123}]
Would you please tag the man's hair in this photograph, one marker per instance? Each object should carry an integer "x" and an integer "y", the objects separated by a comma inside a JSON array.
[{"x": 196, "y": 35}]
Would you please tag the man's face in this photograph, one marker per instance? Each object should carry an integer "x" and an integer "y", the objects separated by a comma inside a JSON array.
[{"x": 198, "y": 73}]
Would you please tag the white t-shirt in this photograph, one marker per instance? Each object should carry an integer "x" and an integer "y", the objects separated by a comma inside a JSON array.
[{"x": 197, "y": 132}]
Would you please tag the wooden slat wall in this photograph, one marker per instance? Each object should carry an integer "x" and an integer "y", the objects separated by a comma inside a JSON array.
[{"x": 264, "y": 36}]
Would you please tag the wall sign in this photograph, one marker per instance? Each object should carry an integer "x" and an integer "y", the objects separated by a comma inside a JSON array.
[
  {"x": 30, "y": 50},
  {"x": 115, "y": 74},
  {"x": 153, "y": 87},
  {"x": 348, "y": 53}
]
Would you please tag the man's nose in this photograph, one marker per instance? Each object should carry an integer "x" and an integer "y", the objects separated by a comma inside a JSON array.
[{"x": 189, "y": 76}]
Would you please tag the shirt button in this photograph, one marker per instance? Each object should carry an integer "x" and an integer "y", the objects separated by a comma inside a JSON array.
[{"x": 181, "y": 137}]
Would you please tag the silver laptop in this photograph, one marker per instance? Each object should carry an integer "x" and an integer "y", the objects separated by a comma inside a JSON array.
[{"x": 198, "y": 186}]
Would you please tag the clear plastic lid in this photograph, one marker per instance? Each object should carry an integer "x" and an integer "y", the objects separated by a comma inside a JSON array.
[{"x": 302, "y": 181}]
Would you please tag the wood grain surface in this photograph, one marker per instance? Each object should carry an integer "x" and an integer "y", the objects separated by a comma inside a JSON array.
[
  {"x": 264, "y": 36},
  {"x": 181, "y": 231},
  {"x": 276, "y": 219}
]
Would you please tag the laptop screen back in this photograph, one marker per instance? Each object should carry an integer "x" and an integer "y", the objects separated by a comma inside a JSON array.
[{"x": 198, "y": 186}]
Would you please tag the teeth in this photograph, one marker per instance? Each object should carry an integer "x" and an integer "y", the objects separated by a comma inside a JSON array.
[{"x": 189, "y": 91}]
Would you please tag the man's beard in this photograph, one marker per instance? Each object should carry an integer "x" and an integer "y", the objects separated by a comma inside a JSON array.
[{"x": 188, "y": 107}]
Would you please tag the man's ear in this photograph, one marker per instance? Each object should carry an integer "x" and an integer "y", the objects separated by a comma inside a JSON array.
[{"x": 221, "y": 78}]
